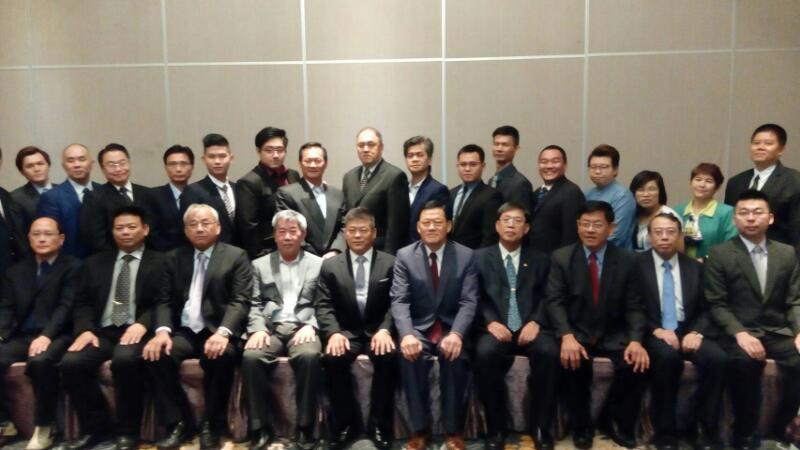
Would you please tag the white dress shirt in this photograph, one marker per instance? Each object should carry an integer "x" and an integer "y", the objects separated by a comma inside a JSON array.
[
  {"x": 176, "y": 193},
  {"x": 129, "y": 188},
  {"x": 763, "y": 176},
  {"x": 80, "y": 188},
  {"x": 676, "y": 277},
  {"x": 219, "y": 185},
  {"x": 413, "y": 189},
  {"x": 319, "y": 196},
  {"x": 514, "y": 256}
]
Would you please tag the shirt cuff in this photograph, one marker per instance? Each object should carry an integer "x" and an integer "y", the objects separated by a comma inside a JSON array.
[
  {"x": 226, "y": 330},
  {"x": 167, "y": 329}
]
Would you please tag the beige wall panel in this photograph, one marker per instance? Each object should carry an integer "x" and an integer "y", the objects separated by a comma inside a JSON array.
[
  {"x": 242, "y": 30},
  {"x": 646, "y": 25},
  {"x": 478, "y": 28},
  {"x": 768, "y": 24},
  {"x": 400, "y": 100},
  {"x": 16, "y": 128},
  {"x": 98, "y": 106},
  {"x": 236, "y": 102},
  {"x": 765, "y": 91},
  {"x": 14, "y": 33},
  {"x": 541, "y": 98},
  {"x": 356, "y": 29},
  {"x": 96, "y": 31},
  {"x": 665, "y": 113}
]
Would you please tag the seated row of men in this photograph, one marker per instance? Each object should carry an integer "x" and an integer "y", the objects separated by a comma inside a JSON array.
[{"x": 147, "y": 312}]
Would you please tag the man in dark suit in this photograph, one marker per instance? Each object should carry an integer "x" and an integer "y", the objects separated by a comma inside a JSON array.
[
  {"x": 12, "y": 229},
  {"x": 753, "y": 286},
  {"x": 594, "y": 309},
  {"x": 354, "y": 319},
  {"x": 473, "y": 205},
  {"x": 112, "y": 317},
  {"x": 422, "y": 188},
  {"x": 64, "y": 201},
  {"x": 678, "y": 327},
  {"x": 201, "y": 310},
  {"x": 216, "y": 189},
  {"x": 510, "y": 316},
  {"x": 179, "y": 163},
  {"x": 257, "y": 191},
  {"x": 322, "y": 205},
  {"x": 379, "y": 187},
  {"x": 434, "y": 295},
  {"x": 99, "y": 204},
  {"x": 511, "y": 183},
  {"x": 34, "y": 164},
  {"x": 554, "y": 205},
  {"x": 35, "y": 302},
  {"x": 780, "y": 183}
]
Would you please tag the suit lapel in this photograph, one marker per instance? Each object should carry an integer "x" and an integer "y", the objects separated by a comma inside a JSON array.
[
  {"x": 332, "y": 214},
  {"x": 498, "y": 268},
  {"x": 746, "y": 263},
  {"x": 371, "y": 182},
  {"x": 772, "y": 268},
  {"x": 773, "y": 184},
  {"x": 651, "y": 281},
  {"x": 213, "y": 264},
  {"x": 448, "y": 266},
  {"x": 142, "y": 275},
  {"x": 106, "y": 274},
  {"x": 275, "y": 267},
  {"x": 310, "y": 202},
  {"x": 348, "y": 281},
  {"x": 422, "y": 257},
  {"x": 607, "y": 278}
]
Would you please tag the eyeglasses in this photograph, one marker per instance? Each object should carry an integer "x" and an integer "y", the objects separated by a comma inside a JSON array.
[
  {"x": 669, "y": 232},
  {"x": 512, "y": 220},
  {"x": 751, "y": 212},
  {"x": 205, "y": 224},
  {"x": 116, "y": 164},
  {"x": 585, "y": 224},
  {"x": 274, "y": 150},
  {"x": 432, "y": 223},
  {"x": 354, "y": 231}
]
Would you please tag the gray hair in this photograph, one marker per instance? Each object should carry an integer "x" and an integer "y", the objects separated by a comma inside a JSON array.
[
  {"x": 289, "y": 215},
  {"x": 197, "y": 207}
]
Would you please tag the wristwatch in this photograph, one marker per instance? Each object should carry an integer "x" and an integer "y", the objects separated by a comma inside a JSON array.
[{"x": 223, "y": 332}]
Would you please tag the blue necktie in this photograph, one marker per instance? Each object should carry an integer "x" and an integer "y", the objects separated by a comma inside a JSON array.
[
  {"x": 514, "y": 321},
  {"x": 540, "y": 197},
  {"x": 669, "y": 317}
]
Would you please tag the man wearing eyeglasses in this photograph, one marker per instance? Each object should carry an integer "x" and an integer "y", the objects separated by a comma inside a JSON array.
[
  {"x": 381, "y": 188},
  {"x": 473, "y": 205},
  {"x": 258, "y": 189},
  {"x": 603, "y": 168},
  {"x": 178, "y": 163},
  {"x": 99, "y": 204},
  {"x": 752, "y": 284}
]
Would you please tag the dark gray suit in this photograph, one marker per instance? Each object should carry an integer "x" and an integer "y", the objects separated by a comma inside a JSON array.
[
  {"x": 27, "y": 197},
  {"x": 323, "y": 233},
  {"x": 386, "y": 197},
  {"x": 417, "y": 309},
  {"x": 737, "y": 304},
  {"x": 513, "y": 185},
  {"x": 554, "y": 215}
]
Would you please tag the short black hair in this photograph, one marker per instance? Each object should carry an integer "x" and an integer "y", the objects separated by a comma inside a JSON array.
[
  {"x": 591, "y": 206},
  {"x": 507, "y": 130},
  {"x": 417, "y": 140},
  {"x": 510, "y": 206},
  {"x": 270, "y": 133},
  {"x": 179, "y": 149},
  {"x": 607, "y": 151},
  {"x": 312, "y": 144},
  {"x": 130, "y": 210},
  {"x": 775, "y": 129},
  {"x": 666, "y": 215},
  {"x": 753, "y": 194},
  {"x": 555, "y": 147},
  {"x": 28, "y": 151},
  {"x": 112, "y": 147},
  {"x": 472, "y": 148},
  {"x": 215, "y": 140},
  {"x": 433, "y": 204},
  {"x": 58, "y": 224}
]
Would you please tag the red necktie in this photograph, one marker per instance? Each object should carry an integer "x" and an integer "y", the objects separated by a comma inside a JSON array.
[
  {"x": 594, "y": 273},
  {"x": 435, "y": 331}
]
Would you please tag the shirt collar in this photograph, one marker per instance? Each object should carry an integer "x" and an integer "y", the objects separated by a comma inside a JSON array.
[
  {"x": 41, "y": 189},
  {"x": 128, "y": 185},
  {"x": 314, "y": 187},
  {"x": 418, "y": 184},
  {"x": 371, "y": 168},
  {"x": 175, "y": 191},
  {"x": 504, "y": 253},
  {"x": 439, "y": 253},
  {"x": 709, "y": 209},
  {"x": 51, "y": 260},
  {"x": 294, "y": 261},
  {"x": 506, "y": 170},
  {"x": 600, "y": 254},
  {"x": 206, "y": 252},
  {"x": 766, "y": 172},
  {"x": 136, "y": 253},
  {"x": 367, "y": 254},
  {"x": 79, "y": 187},
  {"x": 751, "y": 245},
  {"x": 470, "y": 186},
  {"x": 660, "y": 261},
  {"x": 218, "y": 183}
]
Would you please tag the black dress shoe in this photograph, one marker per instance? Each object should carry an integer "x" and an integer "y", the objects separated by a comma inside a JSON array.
[
  {"x": 342, "y": 438},
  {"x": 744, "y": 443},
  {"x": 209, "y": 438},
  {"x": 544, "y": 440},
  {"x": 621, "y": 438},
  {"x": 495, "y": 441},
  {"x": 86, "y": 441},
  {"x": 583, "y": 440},
  {"x": 261, "y": 439},
  {"x": 178, "y": 434},
  {"x": 305, "y": 439},
  {"x": 380, "y": 437},
  {"x": 127, "y": 442}
]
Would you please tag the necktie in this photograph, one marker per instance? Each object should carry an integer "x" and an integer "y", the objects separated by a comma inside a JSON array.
[
  {"x": 123, "y": 191},
  {"x": 760, "y": 263},
  {"x": 361, "y": 283},
  {"x": 83, "y": 194},
  {"x": 178, "y": 201},
  {"x": 122, "y": 294},
  {"x": 435, "y": 331},
  {"x": 754, "y": 184},
  {"x": 514, "y": 320},
  {"x": 594, "y": 274},
  {"x": 192, "y": 314},
  {"x": 226, "y": 199},
  {"x": 669, "y": 315},
  {"x": 540, "y": 197},
  {"x": 44, "y": 269},
  {"x": 493, "y": 182},
  {"x": 364, "y": 178},
  {"x": 462, "y": 194}
]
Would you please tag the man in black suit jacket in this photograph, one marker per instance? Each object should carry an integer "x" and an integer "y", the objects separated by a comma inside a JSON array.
[
  {"x": 12, "y": 225},
  {"x": 322, "y": 205},
  {"x": 380, "y": 187},
  {"x": 34, "y": 164},
  {"x": 555, "y": 205},
  {"x": 216, "y": 190},
  {"x": 422, "y": 188},
  {"x": 257, "y": 191},
  {"x": 201, "y": 310},
  {"x": 510, "y": 318},
  {"x": 780, "y": 183},
  {"x": 473, "y": 205},
  {"x": 594, "y": 309},
  {"x": 179, "y": 163},
  {"x": 112, "y": 317},
  {"x": 353, "y": 311},
  {"x": 678, "y": 327},
  {"x": 35, "y": 302},
  {"x": 753, "y": 286},
  {"x": 511, "y": 183},
  {"x": 99, "y": 204}
]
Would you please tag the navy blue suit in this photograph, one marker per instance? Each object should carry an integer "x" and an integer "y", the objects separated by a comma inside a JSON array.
[
  {"x": 62, "y": 203},
  {"x": 170, "y": 233},
  {"x": 429, "y": 190}
]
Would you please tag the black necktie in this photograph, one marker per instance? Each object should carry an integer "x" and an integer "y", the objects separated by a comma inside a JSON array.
[{"x": 44, "y": 269}]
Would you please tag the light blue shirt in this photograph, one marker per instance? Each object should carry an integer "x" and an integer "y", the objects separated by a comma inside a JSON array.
[
  {"x": 601, "y": 257},
  {"x": 624, "y": 205}
]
